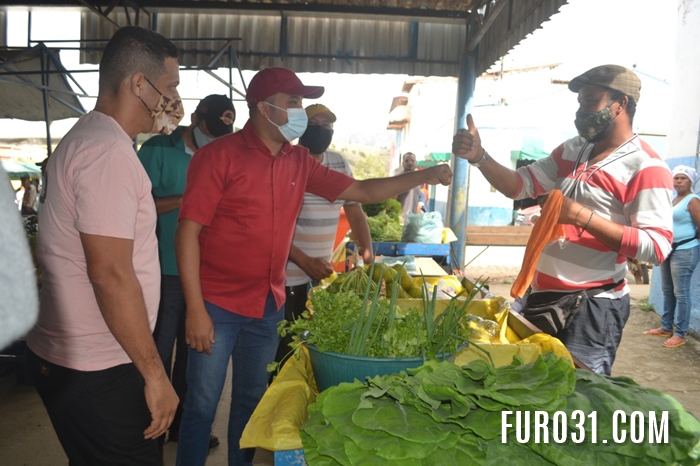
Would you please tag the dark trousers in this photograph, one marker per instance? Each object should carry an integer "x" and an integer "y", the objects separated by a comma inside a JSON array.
[
  {"x": 293, "y": 307},
  {"x": 99, "y": 416},
  {"x": 596, "y": 331},
  {"x": 169, "y": 332}
]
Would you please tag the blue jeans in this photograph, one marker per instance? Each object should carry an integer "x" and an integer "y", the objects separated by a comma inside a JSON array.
[
  {"x": 170, "y": 327},
  {"x": 676, "y": 272},
  {"x": 252, "y": 344}
]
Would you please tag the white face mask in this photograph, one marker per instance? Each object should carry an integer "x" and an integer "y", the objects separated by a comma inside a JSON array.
[
  {"x": 296, "y": 122},
  {"x": 200, "y": 139}
]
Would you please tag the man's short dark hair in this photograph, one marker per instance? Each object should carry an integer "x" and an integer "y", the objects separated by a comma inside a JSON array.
[
  {"x": 631, "y": 104},
  {"x": 131, "y": 50}
]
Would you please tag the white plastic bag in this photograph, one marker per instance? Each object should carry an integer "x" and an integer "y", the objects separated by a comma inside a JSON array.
[{"x": 423, "y": 228}]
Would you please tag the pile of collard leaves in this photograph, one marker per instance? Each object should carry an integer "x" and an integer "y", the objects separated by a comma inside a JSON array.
[{"x": 444, "y": 414}]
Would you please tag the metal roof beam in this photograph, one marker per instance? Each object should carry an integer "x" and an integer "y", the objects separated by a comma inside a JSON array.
[
  {"x": 343, "y": 57},
  {"x": 276, "y": 7},
  {"x": 492, "y": 9},
  {"x": 96, "y": 6}
]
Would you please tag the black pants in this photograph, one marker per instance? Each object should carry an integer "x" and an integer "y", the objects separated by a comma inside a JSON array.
[
  {"x": 99, "y": 416},
  {"x": 293, "y": 307},
  {"x": 595, "y": 331},
  {"x": 169, "y": 332}
]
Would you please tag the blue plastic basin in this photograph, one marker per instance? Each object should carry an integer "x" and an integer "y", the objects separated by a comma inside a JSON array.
[{"x": 333, "y": 368}]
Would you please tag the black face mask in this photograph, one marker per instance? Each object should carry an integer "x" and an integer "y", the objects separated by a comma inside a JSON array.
[{"x": 316, "y": 138}]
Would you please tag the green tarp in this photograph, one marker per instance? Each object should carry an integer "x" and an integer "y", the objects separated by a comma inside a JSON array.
[
  {"x": 17, "y": 170},
  {"x": 532, "y": 149}
]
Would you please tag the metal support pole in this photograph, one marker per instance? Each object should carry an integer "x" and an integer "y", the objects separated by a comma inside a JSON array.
[
  {"x": 45, "y": 92},
  {"x": 230, "y": 71},
  {"x": 460, "y": 182}
]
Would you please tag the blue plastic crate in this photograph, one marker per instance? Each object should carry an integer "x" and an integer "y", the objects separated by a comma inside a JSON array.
[
  {"x": 290, "y": 458},
  {"x": 409, "y": 249}
]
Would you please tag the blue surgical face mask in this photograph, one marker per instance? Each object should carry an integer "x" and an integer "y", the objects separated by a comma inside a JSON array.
[
  {"x": 200, "y": 139},
  {"x": 296, "y": 122}
]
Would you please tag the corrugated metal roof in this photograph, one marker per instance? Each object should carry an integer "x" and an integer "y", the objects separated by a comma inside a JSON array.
[
  {"x": 313, "y": 44},
  {"x": 517, "y": 20},
  {"x": 335, "y": 42},
  {"x": 426, "y": 5}
]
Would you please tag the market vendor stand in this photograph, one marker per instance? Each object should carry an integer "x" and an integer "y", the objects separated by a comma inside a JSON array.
[{"x": 296, "y": 386}]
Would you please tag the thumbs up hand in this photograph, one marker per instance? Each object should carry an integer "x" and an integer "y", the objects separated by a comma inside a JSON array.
[{"x": 466, "y": 144}]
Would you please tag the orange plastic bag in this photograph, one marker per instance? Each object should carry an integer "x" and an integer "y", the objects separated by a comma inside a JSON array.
[{"x": 546, "y": 229}]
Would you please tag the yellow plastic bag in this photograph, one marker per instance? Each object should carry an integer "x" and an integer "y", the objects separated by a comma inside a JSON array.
[
  {"x": 549, "y": 344},
  {"x": 275, "y": 423},
  {"x": 450, "y": 280},
  {"x": 527, "y": 349},
  {"x": 448, "y": 236},
  {"x": 502, "y": 355},
  {"x": 340, "y": 252},
  {"x": 507, "y": 344}
]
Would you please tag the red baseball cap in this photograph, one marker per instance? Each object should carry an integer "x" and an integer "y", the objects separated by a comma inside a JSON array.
[{"x": 271, "y": 81}]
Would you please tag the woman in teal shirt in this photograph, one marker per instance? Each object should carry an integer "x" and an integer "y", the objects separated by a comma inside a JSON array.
[{"x": 677, "y": 269}]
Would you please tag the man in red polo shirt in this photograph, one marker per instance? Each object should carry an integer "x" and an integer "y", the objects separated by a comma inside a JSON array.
[{"x": 243, "y": 195}]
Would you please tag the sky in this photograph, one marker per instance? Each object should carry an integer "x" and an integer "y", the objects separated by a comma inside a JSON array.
[{"x": 632, "y": 33}]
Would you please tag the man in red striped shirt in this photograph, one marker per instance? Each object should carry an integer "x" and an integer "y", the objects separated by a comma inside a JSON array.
[{"x": 617, "y": 204}]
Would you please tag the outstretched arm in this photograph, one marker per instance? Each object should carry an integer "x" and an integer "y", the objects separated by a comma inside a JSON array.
[{"x": 380, "y": 189}]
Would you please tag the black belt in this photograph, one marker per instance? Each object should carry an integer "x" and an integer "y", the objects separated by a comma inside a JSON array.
[{"x": 675, "y": 245}]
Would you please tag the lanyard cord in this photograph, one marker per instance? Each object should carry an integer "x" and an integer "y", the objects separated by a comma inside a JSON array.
[{"x": 605, "y": 162}]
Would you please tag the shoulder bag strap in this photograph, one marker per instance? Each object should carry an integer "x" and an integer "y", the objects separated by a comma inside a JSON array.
[{"x": 595, "y": 291}]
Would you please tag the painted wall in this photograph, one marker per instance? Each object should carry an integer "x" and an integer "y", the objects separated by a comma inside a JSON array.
[
  {"x": 684, "y": 127},
  {"x": 430, "y": 128}
]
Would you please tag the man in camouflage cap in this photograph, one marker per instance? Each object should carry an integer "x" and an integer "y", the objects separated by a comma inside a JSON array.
[
  {"x": 617, "y": 204},
  {"x": 618, "y": 82}
]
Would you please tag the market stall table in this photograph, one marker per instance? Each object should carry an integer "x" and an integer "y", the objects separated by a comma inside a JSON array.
[
  {"x": 423, "y": 252},
  {"x": 283, "y": 408},
  {"x": 410, "y": 249}
]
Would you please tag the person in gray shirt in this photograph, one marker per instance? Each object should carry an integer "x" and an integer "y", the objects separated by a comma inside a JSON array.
[{"x": 19, "y": 302}]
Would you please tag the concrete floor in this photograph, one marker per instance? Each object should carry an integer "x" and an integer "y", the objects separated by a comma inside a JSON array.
[{"x": 27, "y": 437}]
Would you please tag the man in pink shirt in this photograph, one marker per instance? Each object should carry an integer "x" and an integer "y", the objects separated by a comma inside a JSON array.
[{"x": 93, "y": 358}]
